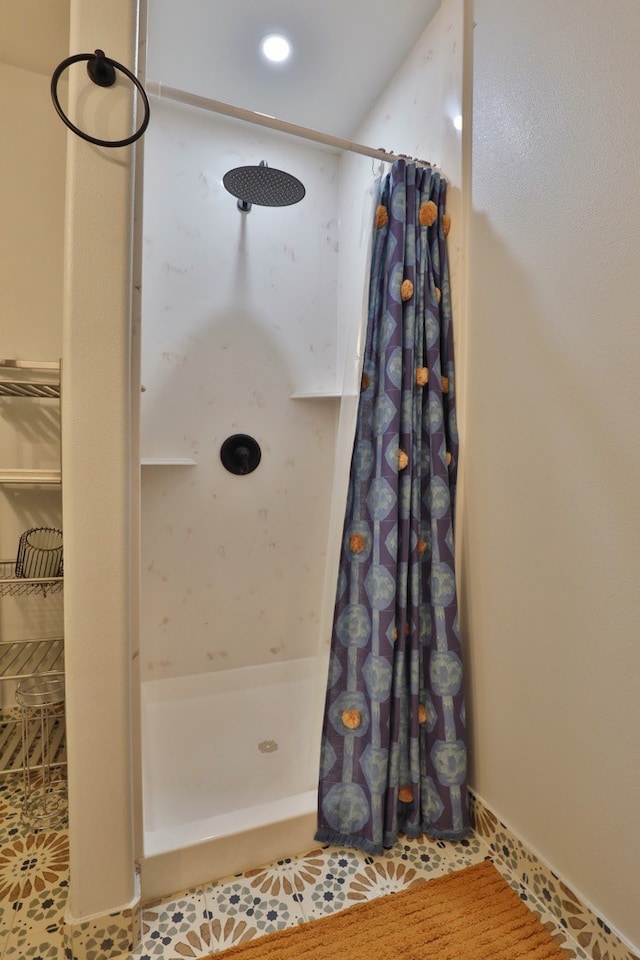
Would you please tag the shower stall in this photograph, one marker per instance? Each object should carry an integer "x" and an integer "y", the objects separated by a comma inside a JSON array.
[
  {"x": 239, "y": 339},
  {"x": 251, "y": 323}
]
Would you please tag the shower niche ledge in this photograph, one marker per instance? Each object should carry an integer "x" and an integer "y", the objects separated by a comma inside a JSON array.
[
  {"x": 315, "y": 395},
  {"x": 167, "y": 462}
]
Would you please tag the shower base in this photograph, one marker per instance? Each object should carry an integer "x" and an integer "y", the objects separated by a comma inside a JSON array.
[{"x": 230, "y": 771}]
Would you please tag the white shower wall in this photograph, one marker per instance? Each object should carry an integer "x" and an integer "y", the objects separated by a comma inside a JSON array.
[{"x": 239, "y": 312}]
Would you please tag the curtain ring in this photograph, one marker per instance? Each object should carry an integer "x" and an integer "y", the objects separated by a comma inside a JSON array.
[{"x": 102, "y": 71}]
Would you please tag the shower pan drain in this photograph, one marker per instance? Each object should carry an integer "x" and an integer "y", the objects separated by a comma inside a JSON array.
[{"x": 267, "y": 746}]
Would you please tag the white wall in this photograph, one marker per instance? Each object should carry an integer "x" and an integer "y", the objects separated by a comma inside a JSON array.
[
  {"x": 32, "y": 168},
  {"x": 414, "y": 116},
  {"x": 94, "y": 298},
  {"x": 97, "y": 470},
  {"x": 552, "y": 440},
  {"x": 239, "y": 311},
  {"x": 65, "y": 252},
  {"x": 32, "y": 184}
]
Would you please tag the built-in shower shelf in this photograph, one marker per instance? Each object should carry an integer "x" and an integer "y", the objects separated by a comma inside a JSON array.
[
  {"x": 167, "y": 462},
  {"x": 24, "y": 658},
  {"x": 12, "y": 586},
  {"x": 316, "y": 395}
]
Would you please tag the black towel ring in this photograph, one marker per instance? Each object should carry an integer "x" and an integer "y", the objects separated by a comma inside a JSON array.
[{"x": 102, "y": 71}]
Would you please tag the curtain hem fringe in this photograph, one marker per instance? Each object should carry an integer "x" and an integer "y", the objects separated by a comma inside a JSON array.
[
  {"x": 347, "y": 840},
  {"x": 368, "y": 846}
]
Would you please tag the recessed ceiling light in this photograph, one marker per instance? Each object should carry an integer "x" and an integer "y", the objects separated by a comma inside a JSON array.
[{"x": 275, "y": 47}]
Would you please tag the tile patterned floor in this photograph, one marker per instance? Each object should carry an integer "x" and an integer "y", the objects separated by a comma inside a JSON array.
[
  {"x": 34, "y": 878},
  {"x": 316, "y": 884},
  {"x": 193, "y": 923}
]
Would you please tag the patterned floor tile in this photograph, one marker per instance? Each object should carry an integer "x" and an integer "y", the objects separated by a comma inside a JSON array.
[
  {"x": 10, "y": 808},
  {"x": 12, "y": 795},
  {"x": 380, "y": 876},
  {"x": 37, "y": 931},
  {"x": 195, "y": 923},
  {"x": 331, "y": 878},
  {"x": 34, "y": 872},
  {"x": 571, "y": 949},
  {"x": 49, "y": 948},
  {"x": 176, "y": 929},
  {"x": 322, "y": 879},
  {"x": 11, "y": 828},
  {"x": 274, "y": 879},
  {"x": 470, "y": 850},
  {"x": 32, "y": 864},
  {"x": 432, "y": 858},
  {"x": 104, "y": 937},
  {"x": 11, "y": 788},
  {"x": 258, "y": 902},
  {"x": 5, "y": 932}
]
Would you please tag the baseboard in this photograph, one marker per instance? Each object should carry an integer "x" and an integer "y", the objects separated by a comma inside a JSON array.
[{"x": 592, "y": 933}]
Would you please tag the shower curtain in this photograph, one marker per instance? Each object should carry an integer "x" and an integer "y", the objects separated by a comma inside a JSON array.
[{"x": 393, "y": 755}]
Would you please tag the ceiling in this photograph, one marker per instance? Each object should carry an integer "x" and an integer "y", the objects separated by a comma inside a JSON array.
[{"x": 344, "y": 53}]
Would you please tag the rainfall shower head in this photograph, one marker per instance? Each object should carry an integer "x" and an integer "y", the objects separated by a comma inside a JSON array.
[{"x": 263, "y": 185}]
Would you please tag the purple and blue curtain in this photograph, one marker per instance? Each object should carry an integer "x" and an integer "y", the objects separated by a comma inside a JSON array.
[{"x": 394, "y": 756}]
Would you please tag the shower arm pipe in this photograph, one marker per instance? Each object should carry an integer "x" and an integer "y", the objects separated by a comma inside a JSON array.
[{"x": 157, "y": 89}]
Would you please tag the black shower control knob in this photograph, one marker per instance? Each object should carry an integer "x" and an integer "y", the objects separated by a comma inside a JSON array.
[
  {"x": 240, "y": 454},
  {"x": 242, "y": 458}
]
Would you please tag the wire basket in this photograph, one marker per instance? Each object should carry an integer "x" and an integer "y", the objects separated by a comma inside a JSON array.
[
  {"x": 40, "y": 553},
  {"x": 40, "y": 702}
]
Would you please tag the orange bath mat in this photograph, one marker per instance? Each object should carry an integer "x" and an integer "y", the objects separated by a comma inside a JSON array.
[{"x": 472, "y": 914}]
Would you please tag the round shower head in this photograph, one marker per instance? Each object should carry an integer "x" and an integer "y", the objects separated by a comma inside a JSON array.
[{"x": 263, "y": 185}]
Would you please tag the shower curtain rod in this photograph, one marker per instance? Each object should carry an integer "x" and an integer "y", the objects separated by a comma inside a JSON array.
[{"x": 157, "y": 89}]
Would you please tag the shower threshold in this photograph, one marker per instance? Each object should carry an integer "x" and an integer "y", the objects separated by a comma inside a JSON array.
[{"x": 230, "y": 824}]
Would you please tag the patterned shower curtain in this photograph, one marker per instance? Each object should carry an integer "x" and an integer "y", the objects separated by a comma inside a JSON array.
[{"x": 393, "y": 747}]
